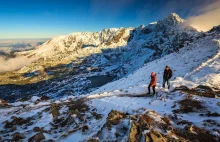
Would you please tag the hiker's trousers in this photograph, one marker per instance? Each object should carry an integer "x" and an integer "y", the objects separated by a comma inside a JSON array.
[
  {"x": 166, "y": 81},
  {"x": 153, "y": 87}
]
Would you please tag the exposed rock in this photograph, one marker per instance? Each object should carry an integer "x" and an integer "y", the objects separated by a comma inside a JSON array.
[
  {"x": 166, "y": 120},
  {"x": 74, "y": 130},
  {"x": 146, "y": 30},
  {"x": 38, "y": 129},
  {"x": 116, "y": 36},
  {"x": 13, "y": 117},
  {"x": 78, "y": 106},
  {"x": 55, "y": 111},
  {"x": 17, "y": 121},
  {"x": 188, "y": 105},
  {"x": 44, "y": 98},
  {"x": 214, "y": 114},
  {"x": 92, "y": 140},
  {"x": 174, "y": 105},
  {"x": 17, "y": 136},
  {"x": 184, "y": 122},
  {"x": 133, "y": 117},
  {"x": 117, "y": 134},
  {"x": 96, "y": 115},
  {"x": 145, "y": 121},
  {"x": 154, "y": 136},
  {"x": 200, "y": 90},
  {"x": 13, "y": 129},
  {"x": 211, "y": 122},
  {"x": 170, "y": 128},
  {"x": 23, "y": 99},
  {"x": 3, "y": 103},
  {"x": 193, "y": 133},
  {"x": 135, "y": 133},
  {"x": 62, "y": 122},
  {"x": 50, "y": 140},
  {"x": 85, "y": 128},
  {"x": 37, "y": 138},
  {"x": 114, "y": 117},
  {"x": 181, "y": 88},
  {"x": 215, "y": 29}
]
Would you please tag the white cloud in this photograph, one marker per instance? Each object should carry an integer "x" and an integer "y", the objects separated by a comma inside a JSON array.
[
  {"x": 208, "y": 17},
  {"x": 14, "y": 63}
]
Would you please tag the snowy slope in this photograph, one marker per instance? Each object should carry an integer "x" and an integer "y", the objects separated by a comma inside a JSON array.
[
  {"x": 74, "y": 41},
  {"x": 116, "y": 52},
  {"x": 197, "y": 63}
]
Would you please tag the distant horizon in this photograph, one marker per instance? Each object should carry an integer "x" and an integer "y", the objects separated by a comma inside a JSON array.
[
  {"x": 61, "y": 34},
  {"x": 73, "y": 32}
]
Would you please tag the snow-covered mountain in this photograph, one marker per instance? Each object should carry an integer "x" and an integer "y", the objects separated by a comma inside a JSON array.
[
  {"x": 121, "y": 110},
  {"x": 162, "y": 35},
  {"x": 117, "y": 52},
  {"x": 161, "y": 31},
  {"x": 195, "y": 64}
]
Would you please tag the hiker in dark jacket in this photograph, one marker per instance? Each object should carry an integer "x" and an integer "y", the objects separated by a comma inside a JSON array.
[
  {"x": 168, "y": 73},
  {"x": 152, "y": 83}
]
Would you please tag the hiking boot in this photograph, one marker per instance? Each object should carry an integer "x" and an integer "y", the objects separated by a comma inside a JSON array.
[{"x": 148, "y": 93}]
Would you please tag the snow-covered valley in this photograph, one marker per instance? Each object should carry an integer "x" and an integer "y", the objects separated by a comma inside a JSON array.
[{"x": 121, "y": 110}]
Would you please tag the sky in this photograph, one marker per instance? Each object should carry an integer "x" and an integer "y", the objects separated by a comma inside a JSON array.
[{"x": 49, "y": 18}]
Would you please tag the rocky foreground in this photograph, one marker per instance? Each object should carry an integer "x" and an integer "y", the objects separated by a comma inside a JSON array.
[{"x": 181, "y": 115}]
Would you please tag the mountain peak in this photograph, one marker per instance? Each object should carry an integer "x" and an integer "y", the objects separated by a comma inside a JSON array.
[
  {"x": 172, "y": 20},
  {"x": 175, "y": 17}
]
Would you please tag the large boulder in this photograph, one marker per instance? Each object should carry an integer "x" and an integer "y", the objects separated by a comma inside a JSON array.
[{"x": 114, "y": 117}]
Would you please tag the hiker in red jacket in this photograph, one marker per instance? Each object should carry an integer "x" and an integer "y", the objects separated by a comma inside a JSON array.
[{"x": 152, "y": 83}]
